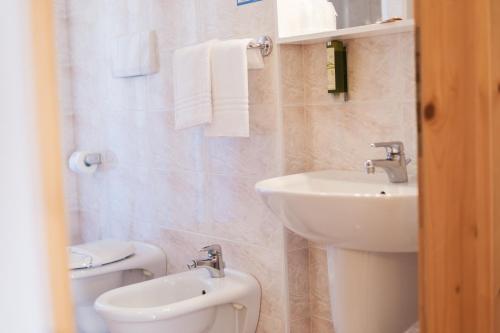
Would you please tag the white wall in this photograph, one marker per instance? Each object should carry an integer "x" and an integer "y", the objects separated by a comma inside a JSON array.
[
  {"x": 24, "y": 302},
  {"x": 296, "y": 17},
  {"x": 177, "y": 189},
  {"x": 67, "y": 116}
]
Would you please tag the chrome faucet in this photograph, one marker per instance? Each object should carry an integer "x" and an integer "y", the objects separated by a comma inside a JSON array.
[
  {"x": 213, "y": 263},
  {"x": 394, "y": 163}
]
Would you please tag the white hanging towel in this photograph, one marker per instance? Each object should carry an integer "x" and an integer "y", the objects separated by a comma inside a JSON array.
[
  {"x": 229, "y": 89},
  {"x": 135, "y": 54},
  {"x": 192, "y": 85}
]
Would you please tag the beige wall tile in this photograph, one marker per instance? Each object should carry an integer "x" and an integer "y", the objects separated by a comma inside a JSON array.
[
  {"x": 375, "y": 68},
  {"x": 270, "y": 324},
  {"x": 318, "y": 284},
  {"x": 296, "y": 140},
  {"x": 294, "y": 241},
  {"x": 341, "y": 136},
  {"x": 410, "y": 136},
  {"x": 292, "y": 75},
  {"x": 245, "y": 157},
  {"x": 197, "y": 190},
  {"x": 319, "y": 325},
  {"x": 408, "y": 66},
  {"x": 298, "y": 284},
  {"x": 300, "y": 326},
  {"x": 262, "y": 83},
  {"x": 236, "y": 212}
]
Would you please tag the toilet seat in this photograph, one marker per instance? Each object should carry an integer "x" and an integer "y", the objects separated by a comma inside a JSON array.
[
  {"x": 99, "y": 253},
  {"x": 146, "y": 256}
]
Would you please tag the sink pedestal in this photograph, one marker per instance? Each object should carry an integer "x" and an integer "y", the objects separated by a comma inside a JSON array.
[
  {"x": 372, "y": 292},
  {"x": 371, "y": 227}
]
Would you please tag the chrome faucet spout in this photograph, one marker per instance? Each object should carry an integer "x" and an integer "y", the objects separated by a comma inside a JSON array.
[
  {"x": 394, "y": 164},
  {"x": 213, "y": 263}
]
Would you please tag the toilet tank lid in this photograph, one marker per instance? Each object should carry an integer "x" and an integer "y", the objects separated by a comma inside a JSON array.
[{"x": 99, "y": 253}]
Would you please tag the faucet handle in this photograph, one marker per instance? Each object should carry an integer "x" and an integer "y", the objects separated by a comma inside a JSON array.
[
  {"x": 392, "y": 147},
  {"x": 213, "y": 250}
]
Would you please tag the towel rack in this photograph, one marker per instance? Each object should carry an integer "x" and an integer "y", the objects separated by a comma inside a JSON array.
[{"x": 264, "y": 43}]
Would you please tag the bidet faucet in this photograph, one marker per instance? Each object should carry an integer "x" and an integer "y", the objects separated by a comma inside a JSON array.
[
  {"x": 213, "y": 263},
  {"x": 394, "y": 163}
]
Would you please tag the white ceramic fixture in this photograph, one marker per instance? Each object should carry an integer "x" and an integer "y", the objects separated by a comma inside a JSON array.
[
  {"x": 371, "y": 229},
  {"x": 189, "y": 302},
  {"x": 346, "y": 209},
  {"x": 102, "y": 266}
]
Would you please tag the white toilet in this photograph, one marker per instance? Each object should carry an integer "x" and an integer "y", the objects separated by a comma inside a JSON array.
[{"x": 104, "y": 265}]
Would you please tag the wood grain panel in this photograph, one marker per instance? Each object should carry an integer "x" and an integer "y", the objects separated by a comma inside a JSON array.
[
  {"x": 459, "y": 176},
  {"x": 495, "y": 133},
  {"x": 44, "y": 59}
]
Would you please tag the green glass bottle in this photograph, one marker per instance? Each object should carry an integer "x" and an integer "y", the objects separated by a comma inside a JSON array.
[{"x": 336, "y": 67}]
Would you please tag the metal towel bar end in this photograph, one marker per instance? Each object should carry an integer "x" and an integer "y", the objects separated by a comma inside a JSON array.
[
  {"x": 264, "y": 43},
  {"x": 93, "y": 159}
]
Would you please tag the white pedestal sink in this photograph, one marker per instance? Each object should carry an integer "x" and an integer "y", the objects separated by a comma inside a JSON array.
[{"x": 371, "y": 228}]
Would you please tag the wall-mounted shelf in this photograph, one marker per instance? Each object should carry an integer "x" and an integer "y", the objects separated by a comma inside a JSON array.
[{"x": 350, "y": 33}]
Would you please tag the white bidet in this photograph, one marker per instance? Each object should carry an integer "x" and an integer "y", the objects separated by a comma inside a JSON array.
[{"x": 189, "y": 302}]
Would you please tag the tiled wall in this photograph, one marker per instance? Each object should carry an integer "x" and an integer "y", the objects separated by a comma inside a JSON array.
[
  {"x": 67, "y": 117},
  {"x": 324, "y": 132},
  {"x": 177, "y": 189},
  {"x": 181, "y": 190}
]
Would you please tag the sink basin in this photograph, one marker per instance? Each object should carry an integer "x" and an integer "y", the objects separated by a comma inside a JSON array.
[
  {"x": 189, "y": 302},
  {"x": 349, "y": 210},
  {"x": 370, "y": 228}
]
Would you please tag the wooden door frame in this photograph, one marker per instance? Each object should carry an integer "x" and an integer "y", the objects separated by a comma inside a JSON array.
[
  {"x": 47, "y": 120},
  {"x": 459, "y": 116},
  {"x": 458, "y": 44}
]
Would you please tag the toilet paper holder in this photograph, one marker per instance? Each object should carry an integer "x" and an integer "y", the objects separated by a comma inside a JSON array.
[
  {"x": 93, "y": 159},
  {"x": 85, "y": 162}
]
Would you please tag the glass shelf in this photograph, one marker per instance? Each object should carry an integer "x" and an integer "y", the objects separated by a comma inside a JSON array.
[{"x": 350, "y": 33}]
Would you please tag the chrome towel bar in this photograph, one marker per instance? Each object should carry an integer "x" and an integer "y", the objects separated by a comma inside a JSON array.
[{"x": 264, "y": 43}]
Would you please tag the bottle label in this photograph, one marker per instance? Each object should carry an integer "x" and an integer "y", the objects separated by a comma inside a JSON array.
[{"x": 330, "y": 68}]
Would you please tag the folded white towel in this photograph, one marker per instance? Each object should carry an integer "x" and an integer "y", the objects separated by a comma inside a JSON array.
[
  {"x": 192, "y": 85},
  {"x": 229, "y": 89},
  {"x": 135, "y": 54}
]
